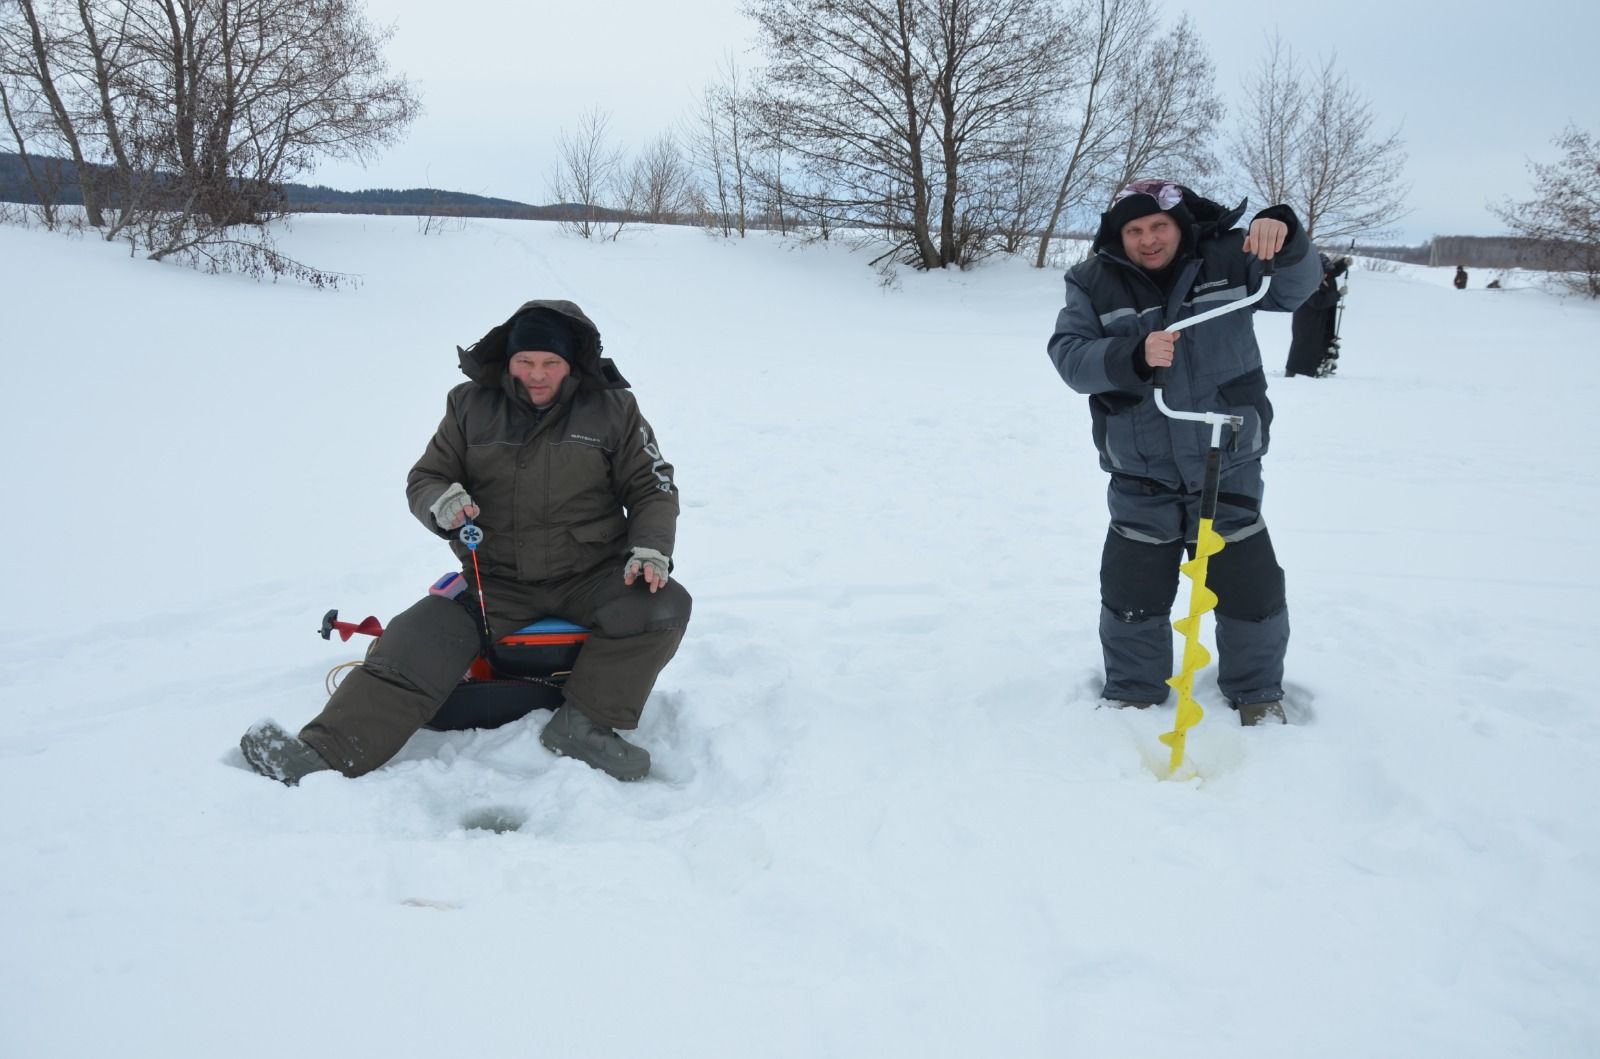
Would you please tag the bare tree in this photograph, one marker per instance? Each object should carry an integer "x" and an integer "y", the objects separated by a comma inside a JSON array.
[
  {"x": 1022, "y": 184},
  {"x": 721, "y": 144},
  {"x": 1113, "y": 33},
  {"x": 891, "y": 107},
  {"x": 189, "y": 115},
  {"x": 658, "y": 184},
  {"x": 1316, "y": 148},
  {"x": 845, "y": 94},
  {"x": 255, "y": 90},
  {"x": 33, "y": 48},
  {"x": 708, "y": 148},
  {"x": 586, "y": 175},
  {"x": 1145, "y": 102},
  {"x": 997, "y": 65},
  {"x": 1163, "y": 120},
  {"x": 1563, "y": 217},
  {"x": 45, "y": 190},
  {"x": 1350, "y": 178},
  {"x": 770, "y": 186},
  {"x": 1267, "y": 140}
]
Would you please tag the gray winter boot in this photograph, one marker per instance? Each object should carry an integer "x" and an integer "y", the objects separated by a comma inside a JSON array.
[
  {"x": 1254, "y": 713},
  {"x": 278, "y": 755},
  {"x": 571, "y": 734}
]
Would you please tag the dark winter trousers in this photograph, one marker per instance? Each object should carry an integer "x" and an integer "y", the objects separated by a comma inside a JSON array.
[
  {"x": 1151, "y": 530},
  {"x": 426, "y": 649}
]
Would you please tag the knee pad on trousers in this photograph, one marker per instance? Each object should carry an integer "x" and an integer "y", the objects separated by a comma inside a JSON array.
[
  {"x": 1138, "y": 580},
  {"x": 636, "y": 612},
  {"x": 1247, "y": 579},
  {"x": 427, "y": 646}
]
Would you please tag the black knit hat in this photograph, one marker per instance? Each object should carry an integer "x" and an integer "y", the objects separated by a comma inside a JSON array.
[
  {"x": 1134, "y": 204},
  {"x": 544, "y": 331}
]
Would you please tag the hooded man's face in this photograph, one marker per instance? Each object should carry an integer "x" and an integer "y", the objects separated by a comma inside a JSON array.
[
  {"x": 1151, "y": 242},
  {"x": 540, "y": 373}
]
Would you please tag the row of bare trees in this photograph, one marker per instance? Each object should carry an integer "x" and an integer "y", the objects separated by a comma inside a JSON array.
[
  {"x": 704, "y": 172},
  {"x": 961, "y": 128},
  {"x": 183, "y": 118},
  {"x": 968, "y": 127},
  {"x": 952, "y": 128}
]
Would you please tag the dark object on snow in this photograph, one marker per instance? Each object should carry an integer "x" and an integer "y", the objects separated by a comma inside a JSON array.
[
  {"x": 530, "y": 667},
  {"x": 1252, "y": 714},
  {"x": 492, "y": 703},
  {"x": 1314, "y": 347},
  {"x": 1493, "y": 284},
  {"x": 1461, "y": 278}
]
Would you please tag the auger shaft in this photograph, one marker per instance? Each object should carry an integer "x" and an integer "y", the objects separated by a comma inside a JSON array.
[
  {"x": 1201, "y": 600},
  {"x": 1207, "y": 542}
]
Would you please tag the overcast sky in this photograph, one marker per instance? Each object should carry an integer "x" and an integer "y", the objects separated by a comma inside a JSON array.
[{"x": 1475, "y": 88}]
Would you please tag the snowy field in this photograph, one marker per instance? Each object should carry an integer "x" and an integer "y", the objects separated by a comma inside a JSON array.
[{"x": 886, "y": 819}]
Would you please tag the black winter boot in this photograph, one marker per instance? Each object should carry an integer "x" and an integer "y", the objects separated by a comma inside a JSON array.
[{"x": 1254, "y": 713}]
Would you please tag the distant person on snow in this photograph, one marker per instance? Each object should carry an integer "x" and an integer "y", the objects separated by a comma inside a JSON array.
[
  {"x": 545, "y": 449},
  {"x": 1163, "y": 253},
  {"x": 1314, "y": 345},
  {"x": 1461, "y": 278}
]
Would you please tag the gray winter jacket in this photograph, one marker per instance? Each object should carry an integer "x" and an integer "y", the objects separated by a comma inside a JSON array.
[{"x": 1112, "y": 304}]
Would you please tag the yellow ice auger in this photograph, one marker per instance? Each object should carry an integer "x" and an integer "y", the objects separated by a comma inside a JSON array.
[{"x": 1208, "y": 541}]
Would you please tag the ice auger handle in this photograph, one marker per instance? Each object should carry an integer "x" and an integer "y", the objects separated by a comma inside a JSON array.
[{"x": 1158, "y": 376}]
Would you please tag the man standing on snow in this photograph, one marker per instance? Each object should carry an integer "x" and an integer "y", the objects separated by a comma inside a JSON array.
[
  {"x": 1314, "y": 339},
  {"x": 546, "y": 450},
  {"x": 1164, "y": 253}
]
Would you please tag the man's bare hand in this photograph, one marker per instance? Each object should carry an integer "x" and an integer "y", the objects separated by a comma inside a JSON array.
[
  {"x": 1266, "y": 238},
  {"x": 1159, "y": 347}
]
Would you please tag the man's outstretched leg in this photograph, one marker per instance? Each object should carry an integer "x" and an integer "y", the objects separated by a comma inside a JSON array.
[{"x": 410, "y": 671}]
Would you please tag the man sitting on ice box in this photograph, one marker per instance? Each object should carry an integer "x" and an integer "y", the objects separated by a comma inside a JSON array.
[{"x": 545, "y": 449}]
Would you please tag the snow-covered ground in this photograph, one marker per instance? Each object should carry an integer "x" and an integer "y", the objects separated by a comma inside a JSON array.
[{"x": 886, "y": 819}]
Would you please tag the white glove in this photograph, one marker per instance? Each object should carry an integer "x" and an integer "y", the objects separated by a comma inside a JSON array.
[
  {"x": 649, "y": 562},
  {"x": 450, "y": 510}
]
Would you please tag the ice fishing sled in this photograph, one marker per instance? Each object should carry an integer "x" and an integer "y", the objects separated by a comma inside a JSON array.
[{"x": 522, "y": 672}]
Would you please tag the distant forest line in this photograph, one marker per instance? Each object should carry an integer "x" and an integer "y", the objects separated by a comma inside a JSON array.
[
  {"x": 1470, "y": 251},
  {"x": 302, "y": 198}
]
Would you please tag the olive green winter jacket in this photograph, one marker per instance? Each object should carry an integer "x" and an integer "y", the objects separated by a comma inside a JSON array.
[{"x": 558, "y": 492}]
